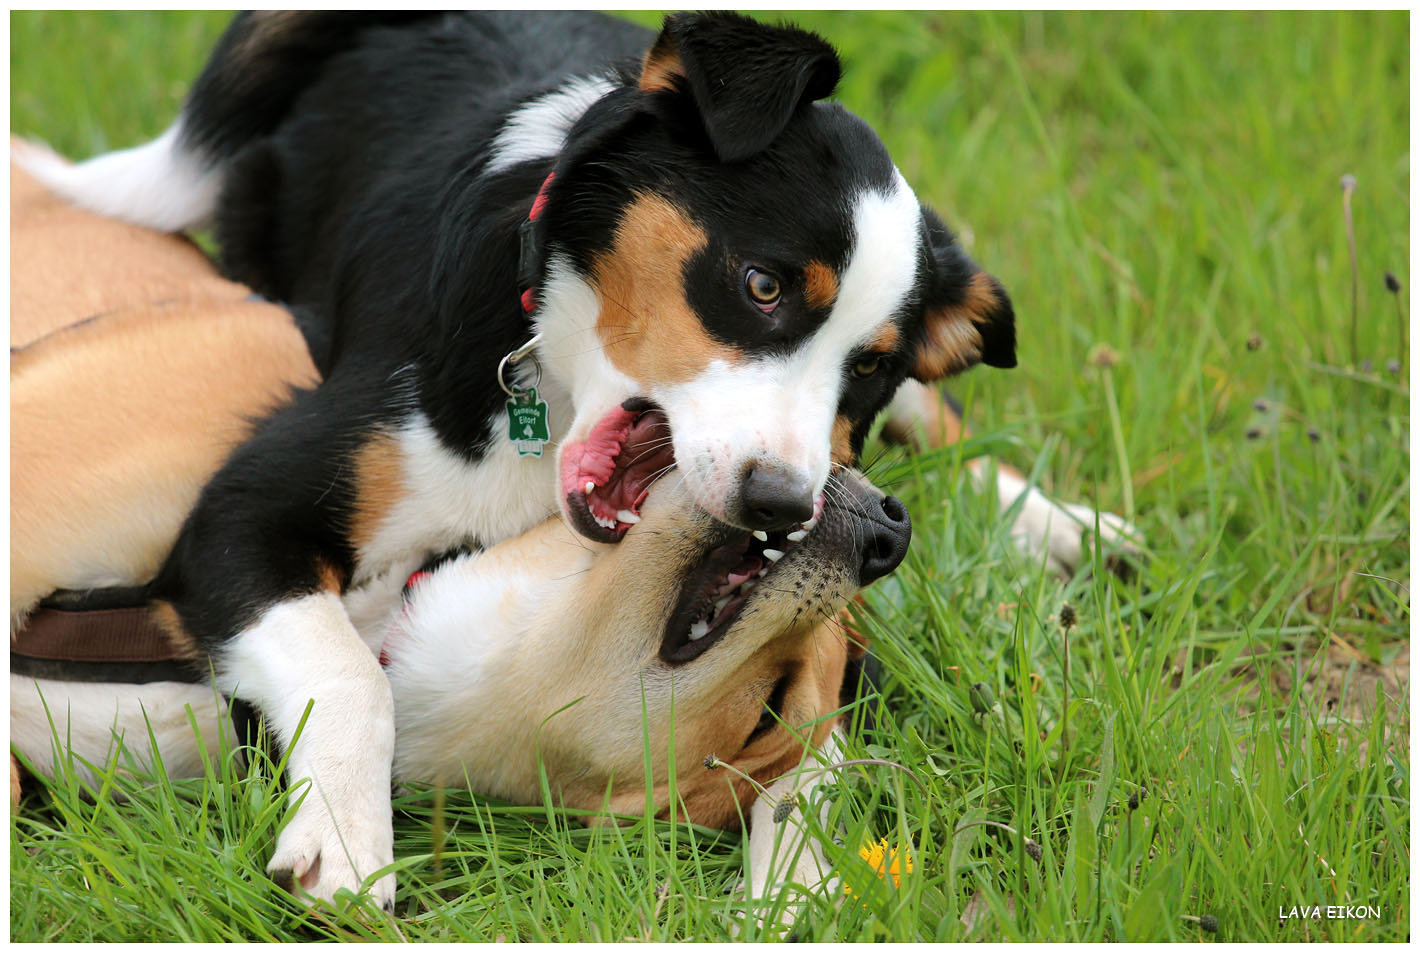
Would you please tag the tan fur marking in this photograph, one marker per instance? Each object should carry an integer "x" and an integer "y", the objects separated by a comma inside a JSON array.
[
  {"x": 842, "y": 446},
  {"x": 952, "y": 342},
  {"x": 661, "y": 68},
  {"x": 168, "y": 620},
  {"x": 980, "y": 297},
  {"x": 331, "y": 579},
  {"x": 820, "y": 286},
  {"x": 379, "y": 485},
  {"x": 647, "y": 327},
  {"x": 886, "y": 340}
]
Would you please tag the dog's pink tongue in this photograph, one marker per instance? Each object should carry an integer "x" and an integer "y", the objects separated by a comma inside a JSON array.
[
  {"x": 620, "y": 458},
  {"x": 645, "y": 455},
  {"x": 594, "y": 460}
]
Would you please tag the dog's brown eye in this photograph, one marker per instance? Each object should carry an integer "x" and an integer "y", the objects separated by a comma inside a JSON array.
[
  {"x": 867, "y": 367},
  {"x": 763, "y": 288}
]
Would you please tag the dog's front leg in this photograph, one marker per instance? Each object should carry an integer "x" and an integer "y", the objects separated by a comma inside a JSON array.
[
  {"x": 304, "y": 652},
  {"x": 780, "y": 851}
]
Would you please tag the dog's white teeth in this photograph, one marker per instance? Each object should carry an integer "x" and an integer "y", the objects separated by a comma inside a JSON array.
[
  {"x": 626, "y": 516},
  {"x": 761, "y": 535},
  {"x": 605, "y": 522},
  {"x": 721, "y": 603},
  {"x": 808, "y": 525},
  {"x": 762, "y": 573},
  {"x": 797, "y": 535},
  {"x": 590, "y": 487},
  {"x": 699, "y": 629},
  {"x": 773, "y": 555}
]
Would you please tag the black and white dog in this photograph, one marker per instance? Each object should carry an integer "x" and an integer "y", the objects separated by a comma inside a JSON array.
[{"x": 519, "y": 243}]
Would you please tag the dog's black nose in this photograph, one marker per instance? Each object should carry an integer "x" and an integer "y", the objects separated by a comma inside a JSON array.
[
  {"x": 773, "y": 497},
  {"x": 888, "y": 530}
]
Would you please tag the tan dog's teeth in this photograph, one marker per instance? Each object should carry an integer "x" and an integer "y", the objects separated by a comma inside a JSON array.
[
  {"x": 761, "y": 535},
  {"x": 698, "y": 629},
  {"x": 773, "y": 555},
  {"x": 626, "y": 516},
  {"x": 590, "y": 487},
  {"x": 797, "y": 535}
]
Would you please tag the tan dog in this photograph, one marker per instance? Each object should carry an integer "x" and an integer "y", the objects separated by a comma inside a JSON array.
[
  {"x": 544, "y": 650},
  {"x": 102, "y": 475}
]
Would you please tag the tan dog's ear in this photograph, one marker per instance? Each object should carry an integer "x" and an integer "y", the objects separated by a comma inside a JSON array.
[{"x": 968, "y": 318}]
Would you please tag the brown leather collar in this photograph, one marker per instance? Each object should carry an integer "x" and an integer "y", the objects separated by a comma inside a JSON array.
[{"x": 86, "y": 637}]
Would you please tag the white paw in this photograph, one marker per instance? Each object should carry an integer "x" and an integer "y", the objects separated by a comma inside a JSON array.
[
  {"x": 318, "y": 854},
  {"x": 1062, "y": 533}
]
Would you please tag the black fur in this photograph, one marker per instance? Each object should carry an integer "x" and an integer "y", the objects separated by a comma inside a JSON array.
[{"x": 747, "y": 79}]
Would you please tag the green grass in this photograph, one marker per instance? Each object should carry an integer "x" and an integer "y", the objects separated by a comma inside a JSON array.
[{"x": 1166, "y": 185}]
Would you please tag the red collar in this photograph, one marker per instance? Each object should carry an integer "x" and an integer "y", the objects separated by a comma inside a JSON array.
[{"x": 530, "y": 248}]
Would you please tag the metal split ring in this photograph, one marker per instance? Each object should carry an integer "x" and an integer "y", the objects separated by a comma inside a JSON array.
[{"x": 514, "y": 357}]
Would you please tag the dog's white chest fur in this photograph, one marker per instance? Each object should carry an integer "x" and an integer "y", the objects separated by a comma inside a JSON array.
[{"x": 447, "y": 501}]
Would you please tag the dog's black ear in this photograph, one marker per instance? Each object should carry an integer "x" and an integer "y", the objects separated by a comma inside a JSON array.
[
  {"x": 968, "y": 315},
  {"x": 745, "y": 78}
]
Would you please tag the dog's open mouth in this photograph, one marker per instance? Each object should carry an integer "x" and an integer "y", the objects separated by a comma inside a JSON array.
[
  {"x": 606, "y": 477},
  {"x": 722, "y": 584}
]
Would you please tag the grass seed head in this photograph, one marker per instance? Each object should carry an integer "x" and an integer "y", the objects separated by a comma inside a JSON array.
[
  {"x": 785, "y": 808},
  {"x": 1392, "y": 283},
  {"x": 1254, "y": 341},
  {"x": 1254, "y": 433},
  {"x": 1033, "y": 850},
  {"x": 711, "y": 762},
  {"x": 1067, "y": 616},
  {"x": 1208, "y": 922},
  {"x": 1313, "y": 435},
  {"x": 1103, "y": 356},
  {"x": 982, "y": 698}
]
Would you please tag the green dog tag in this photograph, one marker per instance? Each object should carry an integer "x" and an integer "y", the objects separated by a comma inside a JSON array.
[{"x": 527, "y": 423}]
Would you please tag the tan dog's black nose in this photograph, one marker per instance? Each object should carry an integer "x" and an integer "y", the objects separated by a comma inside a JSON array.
[
  {"x": 772, "y": 496},
  {"x": 888, "y": 530}
]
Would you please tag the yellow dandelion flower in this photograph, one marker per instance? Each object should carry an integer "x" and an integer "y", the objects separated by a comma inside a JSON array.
[{"x": 887, "y": 861}]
